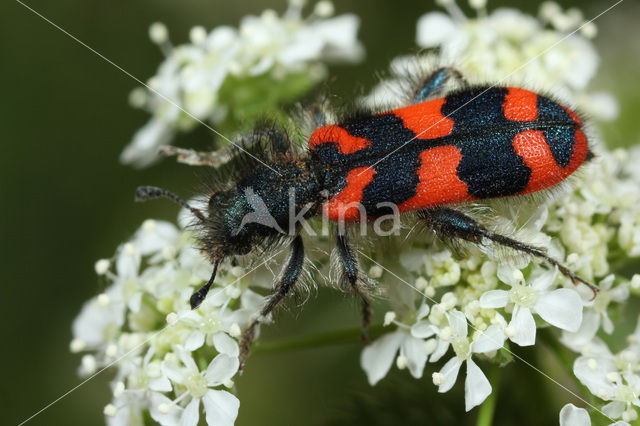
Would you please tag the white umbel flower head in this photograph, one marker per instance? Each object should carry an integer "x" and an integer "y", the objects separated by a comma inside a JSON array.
[{"x": 284, "y": 55}]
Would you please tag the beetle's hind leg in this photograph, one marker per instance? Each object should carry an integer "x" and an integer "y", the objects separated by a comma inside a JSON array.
[
  {"x": 450, "y": 223},
  {"x": 433, "y": 85},
  {"x": 350, "y": 271},
  {"x": 288, "y": 280}
]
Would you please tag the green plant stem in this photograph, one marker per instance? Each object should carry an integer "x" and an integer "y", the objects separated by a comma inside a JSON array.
[
  {"x": 151, "y": 305},
  {"x": 488, "y": 407},
  {"x": 338, "y": 337}
]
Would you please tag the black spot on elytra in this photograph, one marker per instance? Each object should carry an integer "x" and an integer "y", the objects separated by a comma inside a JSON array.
[
  {"x": 395, "y": 181},
  {"x": 489, "y": 165},
  {"x": 561, "y": 136},
  {"x": 386, "y": 132}
]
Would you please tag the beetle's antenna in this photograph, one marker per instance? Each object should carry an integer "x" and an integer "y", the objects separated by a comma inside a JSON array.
[
  {"x": 144, "y": 193},
  {"x": 199, "y": 296}
]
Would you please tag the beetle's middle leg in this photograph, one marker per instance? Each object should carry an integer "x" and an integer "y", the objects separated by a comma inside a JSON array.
[{"x": 351, "y": 273}]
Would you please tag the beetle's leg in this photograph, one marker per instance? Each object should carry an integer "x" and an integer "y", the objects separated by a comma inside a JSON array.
[
  {"x": 277, "y": 141},
  {"x": 197, "y": 158},
  {"x": 287, "y": 282},
  {"x": 350, "y": 270},
  {"x": 450, "y": 223},
  {"x": 435, "y": 82}
]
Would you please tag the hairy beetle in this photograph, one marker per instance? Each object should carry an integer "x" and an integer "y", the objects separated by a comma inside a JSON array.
[{"x": 475, "y": 143}]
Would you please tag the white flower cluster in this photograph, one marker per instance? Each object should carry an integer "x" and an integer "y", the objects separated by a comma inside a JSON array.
[
  {"x": 591, "y": 229},
  {"x": 168, "y": 358},
  {"x": 509, "y": 47},
  {"x": 245, "y": 72},
  {"x": 613, "y": 377}
]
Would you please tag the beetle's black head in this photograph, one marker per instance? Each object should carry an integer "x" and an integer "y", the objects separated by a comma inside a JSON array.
[
  {"x": 237, "y": 221},
  {"x": 231, "y": 227}
]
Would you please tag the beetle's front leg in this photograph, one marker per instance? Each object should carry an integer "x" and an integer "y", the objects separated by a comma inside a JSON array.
[{"x": 288, "y": 280}]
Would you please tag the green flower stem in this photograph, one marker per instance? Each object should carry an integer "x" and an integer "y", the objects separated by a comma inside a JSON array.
[
  {"x": 488, "y": 407},
  {"x": 151, "y": 305},
  {"x": 338, "y": 337}
]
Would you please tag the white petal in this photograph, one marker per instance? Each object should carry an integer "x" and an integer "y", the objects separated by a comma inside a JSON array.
[
  {"x": 186, "y": 358},
  {"x": 561, "y": 308},
  {"x": 160, "y": 384},
  {"x": 225, "y": 344},
  {"x": 423, "y": 330},
  {"x": 190, "y": 414},
  {"x": 433, "y": 29},
  {"x": 173, "y": 372},
  {"x": 221, "y": 408},
  {"x": 169, "y": 419},
  {"x": 587, "y": 331},
  {"x": 194, "y": 341},
  {"x": 506, "y": 273},
  {"x": 92, "y": 322},
  {"x": 592, "y": 372},
  {"x": 584, "y": 63},
  {"x": 491, "y": 340},
  {"x": 143, "y": 149},
  {"x": 252, "y": 300},
  {"x": 476, "y": 386},
  {"x": 614, "y": 409},
  {"x": 149, "y": 241},
  {"x": 413, "y": 349},
  {"x": 376, "y": 359},
  {"x": 458, "y": 323},
  {"x": 544, "y": 280},
  {"x": 450, "y": 372},
  {"x": 340, "y": 38},
  {"x": 570, "y": 415},
  {"x": 222, "y": 368},
  {"x": 135, "y": 301},
  {"x": 423, "y": 311},
  {"x": 524, "y": 324},
  {"x": 607, "y": 324},
  {"x": 494, "y": 299},
  {"x": 441, "y": 349},
  {"x": 620, "y": 293},
  {"x": 603, "y": 105},
  {"x": 127, "y": 263}
]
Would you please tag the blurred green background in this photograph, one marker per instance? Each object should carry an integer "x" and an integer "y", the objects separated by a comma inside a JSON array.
[{"x": 68, "y": 202}]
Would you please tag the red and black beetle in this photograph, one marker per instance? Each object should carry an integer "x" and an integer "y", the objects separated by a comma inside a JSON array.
[{"x": 475, "y": 143}]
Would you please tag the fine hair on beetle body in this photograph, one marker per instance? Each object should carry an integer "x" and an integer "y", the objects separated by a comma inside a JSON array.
[{"x": 450, "y": 147}]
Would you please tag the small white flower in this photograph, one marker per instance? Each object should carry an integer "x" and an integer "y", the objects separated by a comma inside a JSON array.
[
  {"x": 561, "y": 307},
  {"x": 477, "y": 388},
  {"x": 376, "y": 359},
  {"x": 220, "y": 406}
]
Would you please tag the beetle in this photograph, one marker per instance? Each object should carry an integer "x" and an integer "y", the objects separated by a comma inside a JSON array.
[{"x": 474, "y": 143}]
